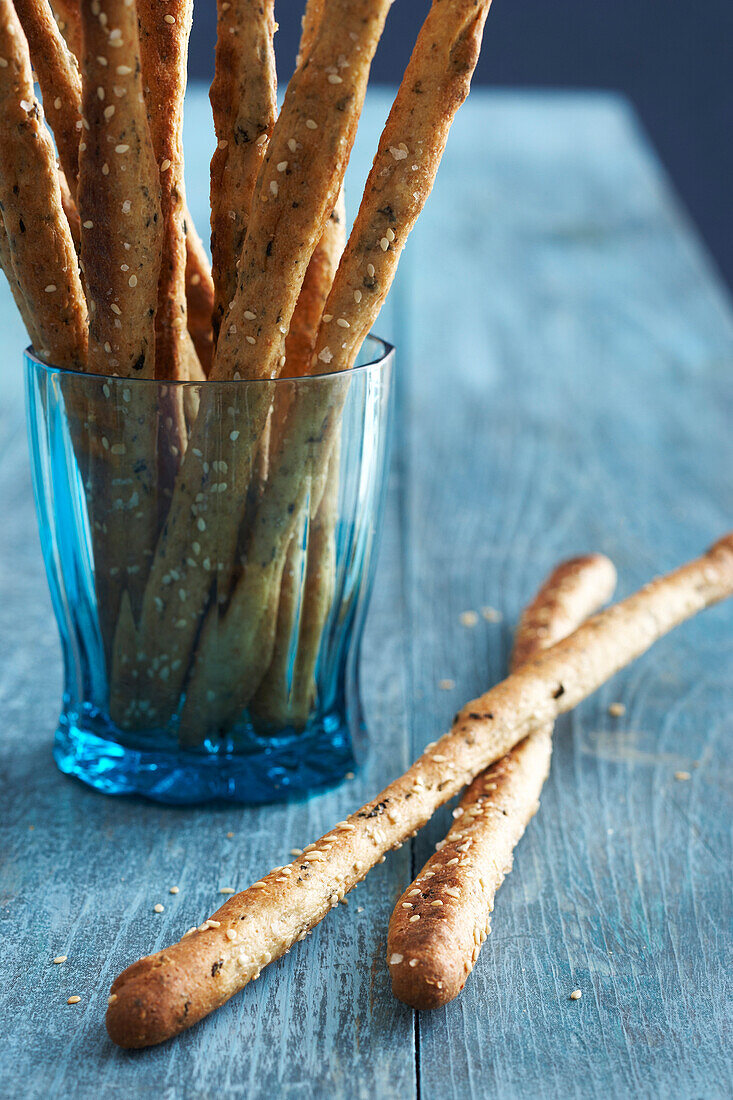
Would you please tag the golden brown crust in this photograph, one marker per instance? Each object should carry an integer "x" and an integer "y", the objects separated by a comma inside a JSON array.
[
  {"x": 244, "y": 101},
  {"x": 6, "y": 262},
  {"x": 38, "y": 236},
  {"x": 435, "y": 84},
  {"x": 58, "y": 76},
  {"x": 66, "y": 13},
  {"x": 442, "y": 918},
  {"x": 119, "y": 196},
  {"x": 199, "y": 296},
  {"x": 297, "y": 187},
  {"x": 164, "y": 31},
  {"x": 167, "y": 992}
]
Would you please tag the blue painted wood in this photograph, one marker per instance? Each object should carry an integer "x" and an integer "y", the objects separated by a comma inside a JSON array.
[{"x": 565, "y": 356}]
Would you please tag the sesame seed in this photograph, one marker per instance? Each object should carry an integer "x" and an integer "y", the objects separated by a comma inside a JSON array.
[
  {"x": 452, "y": 862},
  {"x": 170, "y": 19},
  {"x": 357, "y": 296},
  {"x": 616, "y": 710},
  {"x": 327, "y": 318},
  {"x": 326, "y": 356},
  {"x": 398, "y": 154},
  {"x": 73, "y": 1000},
  {"x": 60, "y": 958},
  {"x": 370, "y": 270},
  {"x": 273, "y": 188},
  {"x": 105, "y": 169},
  {"x": 682, "y": 776},
  {"x": 436, "y": 903},
  {"x": 165, "y": 165},
  {"x": 123, "y": 70},
  {"x": 223, "y": 143},
  {"x": 50, "y": 288},
  {"x": 384, "y": 244},
  {"x": 122, "y": 148},
  {"x": 389, "y": 234},
  {"x": 342, "y": 322},
  {"x": 576, "y": 995},
  {"x": 234, "y": 436},
  {"x": 100, "y": 92},
  {"x": 57, "y": 103},
  {"x": 116, "y": 309},
  {"x": 414, "y": 918},
  {"x": 227, "y": 890},
  {"x": 311, "y": 124},
  {"x": 249, "y": 315},
  {"x": 201, "y": 524},
  {"x": 173, "y": 890},
  {"x": 413, "y": 893},
  {"x": 261, "y": 139},
  {"x": 109, "y": 111},
  {"x": 408, "y": 904},
  {"x": 412, "y": 962},
  {"x": 296, "y": 851},
  {"x": 395, "y": 958},
  {"x": 491, "y": 614},
  {"x": 126, "y": 206},
  {"x": 132, "y": 281},
  {"x": 453, "y": 891},
  {"x": 231, "y": 934},
  {"x": 282, "y": 166},
  {"x": 158, "y": 908},
  {"x": 468, "y": 618},
  {"x": 250, "y": 339},
  {"x": 213, "y": 923},
  {"x": 333, "y": 78},
  {"x": 446, "y": 685}
]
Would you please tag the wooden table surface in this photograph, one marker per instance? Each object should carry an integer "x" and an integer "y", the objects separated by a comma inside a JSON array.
[{"x": 565, "y": 363}]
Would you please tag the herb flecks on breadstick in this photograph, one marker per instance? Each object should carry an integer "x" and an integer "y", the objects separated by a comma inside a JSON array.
[
  {"x": 443, "y": 917},
  {"x": 164, "y": 33},
  {"x": 435, "y": 84},
  {"x": 298, "y": 186},
  {"x": 119, "y": 196},
  {"x": 58, "y": 76},
  {"x": 38, "y": 237},
  {"x": 165, "y": 993},
  {"x": 244, "y": 102}
]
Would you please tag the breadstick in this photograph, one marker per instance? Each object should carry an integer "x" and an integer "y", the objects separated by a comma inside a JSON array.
[
  {"x": 38, "y": 236},
  {"x": 244, "y": 101},
  {"x": 164, "y": 31},
  {"x": 435, "y": 83},
  {"x": 453, "y": 896},
  {"x": 119, "y": 196},
  {"x": 199, "y": 296},
  {"x": 6, "y": 262},
  {"x": 297, "y": 187},
  {"x": 59, "y": 80},
  {"x": 70, "y": 210},
  {"x": 67, "y": 16},
  {"x": 165, "y": 993}
]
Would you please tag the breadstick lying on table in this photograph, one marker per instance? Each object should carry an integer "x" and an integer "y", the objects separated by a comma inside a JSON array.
[
  {"x": 59, "y": 80},
  {"x": 39, "y": 242},
  {"x": 244, "y": 102},
  {"x": 163, "y": 994},
  {"x": 443, "y": 917}
]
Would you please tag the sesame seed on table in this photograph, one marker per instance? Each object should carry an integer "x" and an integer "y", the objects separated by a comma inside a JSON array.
[{"x": 559, "y": 391}]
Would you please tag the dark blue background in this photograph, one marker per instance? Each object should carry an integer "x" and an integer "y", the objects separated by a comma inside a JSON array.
[{"x": 671, "y": 57}]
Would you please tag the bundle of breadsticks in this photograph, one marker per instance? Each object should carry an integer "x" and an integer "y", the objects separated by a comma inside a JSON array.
[
  {"x": 500, "y": 744},
  {"x": 197, "y": 506}
]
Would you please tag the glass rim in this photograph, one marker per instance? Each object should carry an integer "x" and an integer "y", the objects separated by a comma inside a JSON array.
[{"x": 384, "y": 350}]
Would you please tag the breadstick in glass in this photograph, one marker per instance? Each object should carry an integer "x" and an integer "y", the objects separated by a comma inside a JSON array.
[
  {"x": 452, "y": 898},
  {"x": 38, "y": 237},
  {"x": 163, "y": 994}
]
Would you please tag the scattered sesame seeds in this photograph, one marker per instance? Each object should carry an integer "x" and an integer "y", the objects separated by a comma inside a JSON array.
[
  {"x": 60, "y": 958},
  {"x": 122, "y": 148},
  {"x": 170, "y": 18},
  {"x": 132, "y": 281},
  {"x": 123, "y": 70},
  {"x": 223, "y": 143},
  {"x": 408, "y": 904},
  {"x": 371, "y": 270},
  {"x": 413, "y": 893},
  {"x": 682, "y": 776},
  {"x": 334, "y": 78},
  {"x": 398, "y": 154},
  {"x": 250, "y": 339},
  {"x": 415, "y": 917},
  {"x": 576, "y": 995},
  {"x": 249, "y": 315},
  {"x": 616, "y": 710},
  {"x": 73, "y": 1000},
  {"x": 57, "y": 103},
  {"x": 389, "y": 234},
  {"x": 435, "y": 904},
  {"x": 273, "y": 188},
  {"x": 234, "y": 436},
  {"x": 231, "y": 934},
  {"x": 50, "y": 288},
  {"x": 453, "y": 891},
  {"x": 395, "y": 959},
  {"x": 491, "y": 614},
  {"x": 126, "y": 206},
  {"x": 349, "y": 775},
  {"x": 227, "y": 890},
  {"x": 109, "y": 111},
  {"x": 384, "y": 244},
  {"x": 446, "y": 685},
  {"x": 326, "y": 355},
  {"x": 468, "y": 618},
  {"x": 158, "y": 908},
  {"x": 165, "y": 165},
  {"x": 282, "y": 166},
  {"x": 173, "y": 890},
  {"x": 311, "y": 124}
]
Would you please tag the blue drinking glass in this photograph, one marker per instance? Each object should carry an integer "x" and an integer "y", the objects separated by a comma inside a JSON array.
[{"x": 210, "y": 549}]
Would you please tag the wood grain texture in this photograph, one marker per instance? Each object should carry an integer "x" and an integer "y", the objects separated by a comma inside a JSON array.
[{"x": 587, "y": 345}]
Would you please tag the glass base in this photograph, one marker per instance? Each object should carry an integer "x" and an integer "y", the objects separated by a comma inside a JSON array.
[{"x": 288, "y": 765}]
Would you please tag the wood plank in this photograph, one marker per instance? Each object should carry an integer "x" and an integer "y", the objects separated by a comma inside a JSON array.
[{"x": 570, "y": 392}]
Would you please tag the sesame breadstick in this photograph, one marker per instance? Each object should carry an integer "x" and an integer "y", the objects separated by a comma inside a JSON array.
[
  {"x": 297, "y": 187},
  {"x": 164, "y": 31},
  {"x": 66, "y": 13},
  {"x": 38, "y": 236},
  {"x": 165, "y": 993},
  {"x": 58, "y": 76},
  {"x": 6, "y": 262},
  {"x": 70, "y": 209},
  {"x": 244, "y": 102},
  {"x": 453, "y": 896},
  {"x": 119, "y": 196},
  {"x": 199, "y": 296},
  {"x": 435, "y": 83}
]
